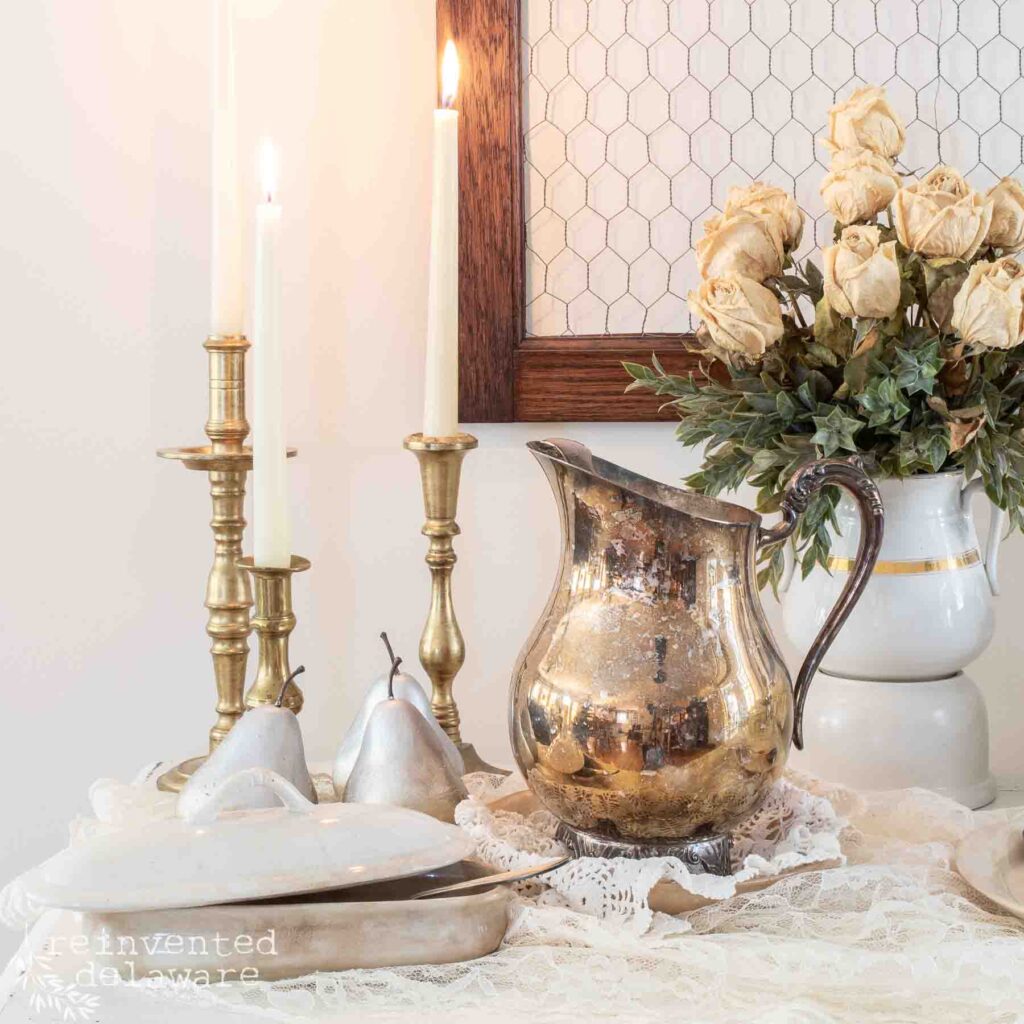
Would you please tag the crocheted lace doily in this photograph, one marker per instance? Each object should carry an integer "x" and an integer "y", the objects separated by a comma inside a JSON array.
[{"x": 793, "y": 828}]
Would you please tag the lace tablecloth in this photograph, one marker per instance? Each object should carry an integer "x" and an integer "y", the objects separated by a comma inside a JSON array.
[{"x": 892, "y": 935}]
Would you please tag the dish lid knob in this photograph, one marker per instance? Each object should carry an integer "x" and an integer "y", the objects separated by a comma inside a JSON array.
[{"x": 250, "y": 778}]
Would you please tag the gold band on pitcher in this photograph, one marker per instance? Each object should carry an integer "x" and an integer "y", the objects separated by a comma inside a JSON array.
[{"x": 910, "y": 566}]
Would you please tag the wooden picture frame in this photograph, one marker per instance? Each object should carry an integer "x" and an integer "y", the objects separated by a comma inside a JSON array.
[{"x": 506, "y": 376}]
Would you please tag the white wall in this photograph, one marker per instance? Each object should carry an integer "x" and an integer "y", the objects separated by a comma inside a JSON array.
[{"x": 103, "y": 264}]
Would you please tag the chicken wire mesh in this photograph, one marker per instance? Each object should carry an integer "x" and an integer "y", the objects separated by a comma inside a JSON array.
[{"x": 639, "y": 115}]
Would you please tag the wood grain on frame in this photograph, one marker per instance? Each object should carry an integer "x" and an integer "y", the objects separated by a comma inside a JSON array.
[
  {"x": 503, "y": 375},
  {"x": 582, "y": 378}
]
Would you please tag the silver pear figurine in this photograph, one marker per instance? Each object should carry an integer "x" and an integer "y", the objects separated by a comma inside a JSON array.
[
  {"x": 404, "y": 687},
  {"x": 402, "y": 762},
  {"x": 267, "y": 736}
]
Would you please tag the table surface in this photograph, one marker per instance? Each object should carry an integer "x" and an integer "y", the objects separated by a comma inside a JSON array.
[{"x": 123, "y": 1004}]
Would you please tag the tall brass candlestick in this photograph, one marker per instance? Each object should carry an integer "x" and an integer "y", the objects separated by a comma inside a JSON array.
[
  {"x": 226, "y": 461},
  {"x": 442, "y": 648},
  {"x": 273, "y": 622}
]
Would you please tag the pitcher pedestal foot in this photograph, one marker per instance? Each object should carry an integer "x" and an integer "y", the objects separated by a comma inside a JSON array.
[
  {"x": 703, "y": 854},
  {"x": 891, "y": 734}
]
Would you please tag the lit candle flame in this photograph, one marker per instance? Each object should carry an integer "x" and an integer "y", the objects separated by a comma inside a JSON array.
[
  {"x": 268, "y": 169},
  {"x": 449, "y": 75}
]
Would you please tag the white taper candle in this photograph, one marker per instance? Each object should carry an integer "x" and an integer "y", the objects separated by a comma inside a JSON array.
[
  {"x": 271, "y": 534},
  {"x": 227, "y": 282},
  {"x": 441, "y": 404}
]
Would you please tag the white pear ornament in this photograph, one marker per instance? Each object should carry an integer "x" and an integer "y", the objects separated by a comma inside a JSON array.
[
  {"x": 267, "y": 736},
  {"x": 404, "y": 687},
  {"x": 402, "y": 762}
]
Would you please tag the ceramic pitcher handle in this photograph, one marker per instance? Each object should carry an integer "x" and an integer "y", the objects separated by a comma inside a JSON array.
[
  {"x": 241, "y": 782},
  {"x": 996, "y": 531},
  {"x": 848, "y": 474}
]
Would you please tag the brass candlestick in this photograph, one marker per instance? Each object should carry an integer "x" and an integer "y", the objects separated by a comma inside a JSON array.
[
  {"x": 442, "y": 648},
  {"x": 273, "y": 621},
  {"x": 226, "y": 461}
]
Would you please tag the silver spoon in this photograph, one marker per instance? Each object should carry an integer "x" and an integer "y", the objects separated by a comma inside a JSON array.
[{"x": 489, "y": 881}]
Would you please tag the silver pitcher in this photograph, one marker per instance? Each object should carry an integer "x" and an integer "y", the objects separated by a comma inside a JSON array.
[{"x": 651, "y": 710}]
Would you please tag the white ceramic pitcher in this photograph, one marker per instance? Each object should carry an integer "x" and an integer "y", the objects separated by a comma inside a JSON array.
[{"x": 927, "y": 610}]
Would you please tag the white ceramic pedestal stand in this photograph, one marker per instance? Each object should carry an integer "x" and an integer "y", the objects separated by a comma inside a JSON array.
[
  {"x": 891, "y": 735},
  {"x": 892, "y": 706}
]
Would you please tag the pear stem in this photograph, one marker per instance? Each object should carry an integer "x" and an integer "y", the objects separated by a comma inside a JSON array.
[
  {"x": 391, "y": 678},
  {"x": 286, "y": 684},
  {"x": 395, "y": 662},
  {"x": 387, "y": 644}
]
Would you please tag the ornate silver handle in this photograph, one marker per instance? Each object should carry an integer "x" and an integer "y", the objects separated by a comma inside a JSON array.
[{"x": 850, "y": 475}]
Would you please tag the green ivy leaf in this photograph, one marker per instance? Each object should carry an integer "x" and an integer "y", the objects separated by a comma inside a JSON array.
[
  {"x": 785, "y": 407},
  {"x": 883, "y": 401},
  {"x": 917, "y": 368},
  {"x": 836, "y": 431}
]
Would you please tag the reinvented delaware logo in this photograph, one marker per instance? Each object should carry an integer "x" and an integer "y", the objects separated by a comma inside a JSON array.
[{"x": 47, "y": 990}]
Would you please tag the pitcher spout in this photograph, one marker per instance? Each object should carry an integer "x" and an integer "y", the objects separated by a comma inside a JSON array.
[{"x": 573, "y": 455}]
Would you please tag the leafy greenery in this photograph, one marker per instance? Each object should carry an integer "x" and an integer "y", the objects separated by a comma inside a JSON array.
[{"x": 905, "y": 394}]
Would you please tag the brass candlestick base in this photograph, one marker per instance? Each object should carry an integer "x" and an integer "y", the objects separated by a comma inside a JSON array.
[
  {"x": 173, "y": 780},
  {"x": 442, "y": 648},
  {"x": 226, "y": 462},
  {"x": 273, "y": 621}
]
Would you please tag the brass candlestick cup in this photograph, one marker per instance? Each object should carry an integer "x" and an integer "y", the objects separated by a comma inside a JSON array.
[
  {"x": 442, "y": 647},
  {"x": 273, "y": 621}
]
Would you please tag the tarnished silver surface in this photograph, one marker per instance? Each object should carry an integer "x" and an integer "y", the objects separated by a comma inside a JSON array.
[
  {"x": 651, "y": 702},
  {"x": 707, "y": 854},
  {"x": 489, "y": 881}
]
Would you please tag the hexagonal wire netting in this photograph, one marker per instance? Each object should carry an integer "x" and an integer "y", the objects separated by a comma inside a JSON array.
[{"x": 640, "y": 114}]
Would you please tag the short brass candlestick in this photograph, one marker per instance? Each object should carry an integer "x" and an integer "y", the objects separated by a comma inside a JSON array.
[
  {"x": 273, "y": 622},
  {"x": 226, "y": 461},
  {"x": 442, "y": 648}
]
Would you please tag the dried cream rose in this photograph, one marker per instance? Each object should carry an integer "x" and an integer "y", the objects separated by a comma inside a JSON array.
[
  {"x": 771, "y": 203},
  {"x": 742, "y": 244},
  {"x": 859, "y": 185},
  {"x": 941, "y": 215},
  {"x": 867, "y": 120},
  {"x": 862, "y": 277},
  {"x": 1007, "y": 228},
  {"x": 741, "y": 316},
  {"x": 988, "y": 311}
]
